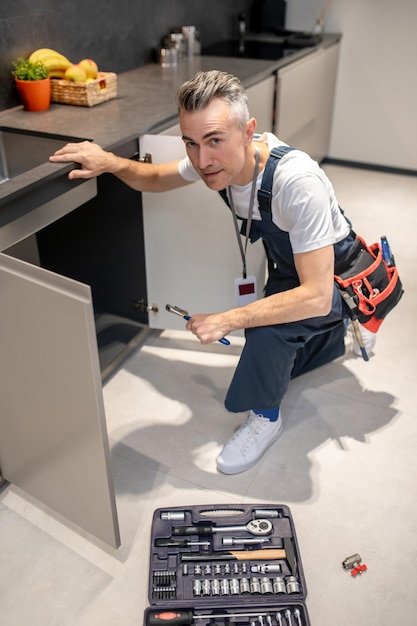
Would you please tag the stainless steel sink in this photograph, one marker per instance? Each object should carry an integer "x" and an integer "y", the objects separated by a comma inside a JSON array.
[
  {"x": 22, "y": 151},
  {"x": 33, "y": 191}
]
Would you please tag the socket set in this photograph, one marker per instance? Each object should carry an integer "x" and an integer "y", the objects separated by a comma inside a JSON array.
[{"x": 215, "y": 565}]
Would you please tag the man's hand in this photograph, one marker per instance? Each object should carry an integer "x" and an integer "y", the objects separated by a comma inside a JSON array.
[
  {"x": 93, "y": 159},
  {"x": 140, "y": 176},
  {"x": 312, "y": 298},
  {"x": 208, "y": 327}
]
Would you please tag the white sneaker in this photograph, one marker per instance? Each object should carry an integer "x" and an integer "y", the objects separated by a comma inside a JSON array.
[
  {"x": 368, "y": 338},
  {"x": 248, "y": 444}
]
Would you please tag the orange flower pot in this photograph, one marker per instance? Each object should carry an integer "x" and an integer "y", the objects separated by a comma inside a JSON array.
[{"x": 35, "y": 95}]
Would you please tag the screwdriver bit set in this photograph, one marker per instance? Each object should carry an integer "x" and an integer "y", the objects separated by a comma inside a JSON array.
[{"x": 215, "y": 565}]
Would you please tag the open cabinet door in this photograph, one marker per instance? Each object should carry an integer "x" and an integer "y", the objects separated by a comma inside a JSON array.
[
  {"x": 53, "y": 436},
  {"x": 191, "y": 252}
]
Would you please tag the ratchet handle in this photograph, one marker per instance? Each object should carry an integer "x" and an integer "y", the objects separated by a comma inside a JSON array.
[
  {"x": 171, "y": 618},
  {"x": 181, "y": 531}
]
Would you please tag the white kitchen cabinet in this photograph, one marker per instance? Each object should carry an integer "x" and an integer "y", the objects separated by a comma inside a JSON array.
[
  {"x": 261, "y": 103},
  {"x": 304, "y": 101},
  {"x": 191, "y": 252}
]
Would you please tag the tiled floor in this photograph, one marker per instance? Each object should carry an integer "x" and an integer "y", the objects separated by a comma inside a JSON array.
[{"x": 346, "y": 464}]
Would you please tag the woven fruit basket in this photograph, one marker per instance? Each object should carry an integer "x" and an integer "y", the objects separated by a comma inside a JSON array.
[{"x": 88, "y": 94}]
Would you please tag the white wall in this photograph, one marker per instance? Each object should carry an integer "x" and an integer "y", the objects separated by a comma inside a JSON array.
[{"x": 375, "y": 118}]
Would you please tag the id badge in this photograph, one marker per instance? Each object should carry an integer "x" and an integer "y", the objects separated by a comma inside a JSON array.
[{"x": 245, "y": 290}]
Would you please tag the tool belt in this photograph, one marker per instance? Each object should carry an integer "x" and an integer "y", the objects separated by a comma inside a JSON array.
[
  {"x": 367, "y": 277},
  {"x": 369, "y": 283}
]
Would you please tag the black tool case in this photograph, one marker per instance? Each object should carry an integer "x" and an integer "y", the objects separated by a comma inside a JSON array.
[{"x": 216, "y": 565}]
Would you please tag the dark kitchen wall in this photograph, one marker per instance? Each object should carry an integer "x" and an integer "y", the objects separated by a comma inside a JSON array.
[{"x": 118, "y": 34}]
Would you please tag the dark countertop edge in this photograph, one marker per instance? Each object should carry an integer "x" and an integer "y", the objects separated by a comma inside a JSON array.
[
  {"x": 146, "y": 115},
  {"x": 30, "y": 181}
]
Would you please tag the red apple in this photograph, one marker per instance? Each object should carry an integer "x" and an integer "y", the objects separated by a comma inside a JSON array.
[{"x": 90, "y": 67}]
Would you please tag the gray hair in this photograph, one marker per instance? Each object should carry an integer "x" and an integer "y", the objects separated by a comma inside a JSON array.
[{"x": 198, "y": 92}]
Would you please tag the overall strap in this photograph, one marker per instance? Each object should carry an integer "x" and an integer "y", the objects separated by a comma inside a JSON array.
[
  {"x": 265, "y": 192},
  {"x": 223, "y": 194}
]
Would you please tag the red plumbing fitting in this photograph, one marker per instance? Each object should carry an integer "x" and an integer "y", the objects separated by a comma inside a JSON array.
[
  {"x": 355, "y": 564},
  {"x": 359, "y": 569}
]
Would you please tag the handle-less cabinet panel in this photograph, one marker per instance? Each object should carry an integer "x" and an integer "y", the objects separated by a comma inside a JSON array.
[
  {"x": 329, "y": 65},
  {"x": 191, "y": 252},
  {"x": 298, "y": 101},
  {"x": 304, "y": 101},
  {"x": 53, "y": 436},
  {"x": 261, "y": 103}
]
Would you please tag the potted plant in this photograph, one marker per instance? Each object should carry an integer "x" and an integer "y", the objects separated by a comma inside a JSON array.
[{"x": 33, "y": 84}]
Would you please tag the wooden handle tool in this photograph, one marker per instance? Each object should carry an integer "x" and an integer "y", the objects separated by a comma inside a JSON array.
[{"x": 270, "y": 554}]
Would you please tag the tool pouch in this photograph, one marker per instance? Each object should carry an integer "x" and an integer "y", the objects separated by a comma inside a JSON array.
[{"x": 369, "y": 286}]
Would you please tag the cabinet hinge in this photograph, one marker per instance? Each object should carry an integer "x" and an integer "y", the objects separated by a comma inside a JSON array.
[
  {"x": 146, "y": 158},
  {"x": 143, "y": 307}
]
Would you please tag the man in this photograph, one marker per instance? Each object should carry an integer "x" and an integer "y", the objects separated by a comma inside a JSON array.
[{"x": 299, "y": 324}]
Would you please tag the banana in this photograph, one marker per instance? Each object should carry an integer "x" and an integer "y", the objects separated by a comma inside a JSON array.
[
  {"x": 56, "y": 73},
  {"x": 37, "y": 54},
  {"x": 51, "y": 58},
  {"x": 56, "y": 63}
]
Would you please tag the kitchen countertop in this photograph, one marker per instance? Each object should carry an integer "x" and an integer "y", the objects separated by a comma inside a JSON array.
[{"x": 145, "y": 101}]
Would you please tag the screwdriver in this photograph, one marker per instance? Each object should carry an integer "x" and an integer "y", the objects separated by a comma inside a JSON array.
[
  {"x": 185, "y": 315},
  {"x": 187, "y": 618}
]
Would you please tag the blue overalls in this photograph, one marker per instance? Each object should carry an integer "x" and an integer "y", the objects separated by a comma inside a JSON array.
[{"x": 275, "y": 354}]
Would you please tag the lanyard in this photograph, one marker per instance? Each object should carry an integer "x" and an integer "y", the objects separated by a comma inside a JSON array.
[{"x": 250, "y": 212}]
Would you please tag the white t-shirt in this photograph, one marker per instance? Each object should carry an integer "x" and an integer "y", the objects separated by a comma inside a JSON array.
[{"x": 303, "y": 200}]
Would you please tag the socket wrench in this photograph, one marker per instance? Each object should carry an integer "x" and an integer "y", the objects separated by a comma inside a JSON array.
[{"x": 257, "y": 527}]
